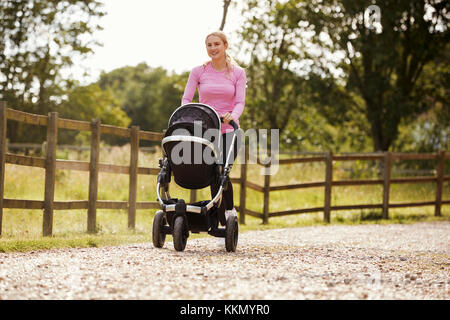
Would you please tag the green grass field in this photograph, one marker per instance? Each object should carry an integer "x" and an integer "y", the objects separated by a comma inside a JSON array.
[{"x": 22, "y": 229}]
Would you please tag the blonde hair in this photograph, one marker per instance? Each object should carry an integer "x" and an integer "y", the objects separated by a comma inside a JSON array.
[{"x": 229, "y": 61}]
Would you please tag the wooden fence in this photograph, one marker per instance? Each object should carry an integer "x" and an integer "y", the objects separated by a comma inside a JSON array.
[
  {"x": 328, "y": 158},
  {"x": 51, "y": 164}
]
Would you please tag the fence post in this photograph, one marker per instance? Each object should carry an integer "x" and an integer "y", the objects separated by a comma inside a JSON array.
[
  {"x": 93, "y": 176},
  {"x": 3, "y": 119},
  {"x": 243, "y": 189},
  {"x": 386, "y": 183},
  {"x": 328, "y": 184},
  {"x": 50, "y": 173},
  {"x": 439, "y": 182},
  {"x": 132, "y": 196},
  {"x": 266, "y": 192}
]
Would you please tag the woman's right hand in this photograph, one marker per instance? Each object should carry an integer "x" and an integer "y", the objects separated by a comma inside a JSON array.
[{"x": 227, "y": 117}]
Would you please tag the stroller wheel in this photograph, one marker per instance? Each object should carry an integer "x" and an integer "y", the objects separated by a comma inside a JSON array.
[
  {"x": 179, "y": 234},
  {"x": 158, "y": 235},
  {"x": 232, "y": 233}
]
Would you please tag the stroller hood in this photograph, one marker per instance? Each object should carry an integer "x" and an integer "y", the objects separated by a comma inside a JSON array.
[
  {"x": 191, "y": 145},
  {"x": 188, "y": 114}
]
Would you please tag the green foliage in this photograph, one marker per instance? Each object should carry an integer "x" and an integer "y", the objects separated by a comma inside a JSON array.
[
  {"x": 90, "y": 102},
  {"x": 366, "y": 82},
  {"x": 311, "y": 112},
  {"x": 274, "y": 92},
  {"x": 147, "y": 95},
  {"x": 384, "y": 65},
  {"x": 431, "y": 130},
  {"x": 40, "y": 38}
]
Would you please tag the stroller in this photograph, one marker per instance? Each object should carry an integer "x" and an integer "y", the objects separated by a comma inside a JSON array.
[{"x": 194, "y": 161}]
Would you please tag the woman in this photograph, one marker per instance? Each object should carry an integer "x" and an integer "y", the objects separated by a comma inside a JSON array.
[{"x": 221, "y": 85}]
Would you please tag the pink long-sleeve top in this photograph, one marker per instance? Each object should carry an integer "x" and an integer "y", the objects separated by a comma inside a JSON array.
[{"x": 223, "y": 91}]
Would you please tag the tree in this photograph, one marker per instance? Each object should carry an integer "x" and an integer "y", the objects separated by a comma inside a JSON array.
[
  {"x": 430, "y": 132},
  {"x": 39, "y": 40},
  {"x": 281, "y": 94},
  {"x": 90, "y": 102},
  {"x": 147, "y": 95},
  {"x": 274, "y": 90},
  {"x": 382, "y": 63},
  {"x": 348, "y": 66}
]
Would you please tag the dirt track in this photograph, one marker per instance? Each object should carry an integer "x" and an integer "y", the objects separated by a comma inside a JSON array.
[{"x": 322, "y": 262}]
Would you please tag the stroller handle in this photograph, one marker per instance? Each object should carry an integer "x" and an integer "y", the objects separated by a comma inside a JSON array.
[{"x": 232, "y": 123}]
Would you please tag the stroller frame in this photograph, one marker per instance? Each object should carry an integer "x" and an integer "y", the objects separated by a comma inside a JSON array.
[{"x": 178, "y": 218}]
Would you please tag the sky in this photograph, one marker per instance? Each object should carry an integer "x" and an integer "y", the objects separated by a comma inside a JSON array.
[{"x": 167, "y": 33}]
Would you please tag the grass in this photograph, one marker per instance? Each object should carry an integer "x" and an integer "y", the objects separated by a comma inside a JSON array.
[{"x": 22, "y": 229}]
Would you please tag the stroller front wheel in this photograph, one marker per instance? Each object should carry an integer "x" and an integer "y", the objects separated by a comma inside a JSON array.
[
  {"x": 159, "y": 237},
  {"x": 232, "y": 233},
  {"x": 179, "y": 234}
]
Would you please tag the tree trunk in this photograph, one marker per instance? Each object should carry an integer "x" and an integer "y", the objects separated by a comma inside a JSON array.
[{"x": 226, "y": 4}]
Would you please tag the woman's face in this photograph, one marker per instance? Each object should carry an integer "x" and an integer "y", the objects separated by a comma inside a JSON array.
[{"x": 215, "y": 47}]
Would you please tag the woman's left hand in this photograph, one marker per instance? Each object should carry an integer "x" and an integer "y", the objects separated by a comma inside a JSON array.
[{"x": 227, "y": 117}]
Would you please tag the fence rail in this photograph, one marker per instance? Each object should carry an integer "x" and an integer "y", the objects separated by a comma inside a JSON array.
[
  {"x": 25, "y": 147},
  {"x": 50, "y": 164}
]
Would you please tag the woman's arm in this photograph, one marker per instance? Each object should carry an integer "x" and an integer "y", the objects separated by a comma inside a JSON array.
[
  {"x": 191, "y": 86},
  {"x": 239, "y": 100}
]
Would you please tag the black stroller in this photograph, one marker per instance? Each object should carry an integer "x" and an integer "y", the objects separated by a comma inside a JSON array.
[{"x": 191, "y": 152}]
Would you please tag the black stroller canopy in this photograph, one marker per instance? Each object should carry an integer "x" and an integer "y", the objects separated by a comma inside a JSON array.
[
  {"x": 188, "y": 114},
  {"x": 187, "y": 127}
]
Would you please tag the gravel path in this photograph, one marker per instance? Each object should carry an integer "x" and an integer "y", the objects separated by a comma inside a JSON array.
[{"x": 320, "y": 262}]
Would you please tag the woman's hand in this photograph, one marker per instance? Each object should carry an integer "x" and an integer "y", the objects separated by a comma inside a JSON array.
[{"x": 227, "y": 117}]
